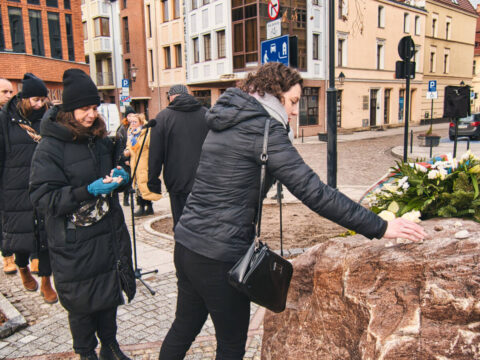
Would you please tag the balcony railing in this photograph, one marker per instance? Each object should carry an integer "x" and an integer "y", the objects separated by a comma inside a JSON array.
[{"x": 105, "y": 79}]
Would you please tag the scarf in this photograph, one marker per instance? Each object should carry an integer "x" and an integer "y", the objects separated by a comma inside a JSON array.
[
  {"x": 133, "y": 135},
  {"x": 275, "y": 109}
]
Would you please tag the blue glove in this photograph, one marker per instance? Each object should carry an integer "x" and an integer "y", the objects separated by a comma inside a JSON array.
[
  {"x": 98, "y": 187},
  {"x": 121, "y": 172}
]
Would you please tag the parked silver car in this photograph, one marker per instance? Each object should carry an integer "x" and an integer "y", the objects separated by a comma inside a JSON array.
[{"x": 467, "y": 126}]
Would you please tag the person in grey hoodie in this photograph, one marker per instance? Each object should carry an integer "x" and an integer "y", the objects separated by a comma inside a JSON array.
[{"x": 218, "y": 223}]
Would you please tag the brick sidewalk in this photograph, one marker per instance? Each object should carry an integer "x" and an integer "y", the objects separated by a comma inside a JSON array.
[{"x": 142, "y": 325}]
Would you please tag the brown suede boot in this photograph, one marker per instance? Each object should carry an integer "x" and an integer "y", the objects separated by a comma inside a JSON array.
[
  {"x": 9, "y": 266},
  {"x": 28, "y": 281},
  {"x": 46, "y": 290}
]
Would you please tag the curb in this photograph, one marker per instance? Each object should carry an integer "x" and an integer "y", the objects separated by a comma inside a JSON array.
[
  {"x": 15, "y": 320},
  {"x": 147, "y": 226}
]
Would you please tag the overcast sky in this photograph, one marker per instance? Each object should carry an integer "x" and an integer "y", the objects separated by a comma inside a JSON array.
[{"x": 474, "y": 3}]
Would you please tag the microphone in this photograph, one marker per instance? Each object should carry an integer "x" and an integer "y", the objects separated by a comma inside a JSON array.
[{"x": 151, "y": 124}]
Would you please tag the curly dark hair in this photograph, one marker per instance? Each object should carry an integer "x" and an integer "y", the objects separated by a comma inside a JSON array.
[
  {"x": 273, "y": 78},
  {"x": 98, "y": 129}
]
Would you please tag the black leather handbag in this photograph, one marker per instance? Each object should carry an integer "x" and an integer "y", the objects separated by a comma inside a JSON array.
[{"x": 261, "y": 274}]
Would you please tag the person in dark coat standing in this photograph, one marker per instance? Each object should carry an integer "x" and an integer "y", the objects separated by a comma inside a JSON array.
[
  {"x": 74, "y": 180},
  {"x": 122, "y": 137},
  {"x": 9, "y": 267},
  {"x": 175, "y": 144},
  {"x": 218, "y": 222},
  {"x": 22, "y": 226}
]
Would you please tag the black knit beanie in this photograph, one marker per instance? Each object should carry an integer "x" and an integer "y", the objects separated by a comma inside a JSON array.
[
  {"x": 32, "y": 86},
  {"x": 129, "y": 110},
  {"x": 78, "y": 90}
]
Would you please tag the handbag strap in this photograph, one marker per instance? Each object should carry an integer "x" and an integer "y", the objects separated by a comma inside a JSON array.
[{"x": 263, "y": 170}]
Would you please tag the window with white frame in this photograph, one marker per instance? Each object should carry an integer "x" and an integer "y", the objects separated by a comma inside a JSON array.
[
  {"x": 167, "y": 57},
  {"x": 341, "y": 49},
  {"x": 207, "y": 47},
  {"x": 406, "y": 23},
  {"x": 380, "y": 54},
  {"x": 196, "y": 50},
  {"x": 417, "y": 25},
  {"x": 446, "y": 61},
  {"x": 448, "y": 28},
  {"x": 381, "y": 17},
  {"x": 316, "y": 47},
  {"x": 434, "y": 25},
  {"x": 433, "y": 59},
  {"x": 221, "y": 51}
]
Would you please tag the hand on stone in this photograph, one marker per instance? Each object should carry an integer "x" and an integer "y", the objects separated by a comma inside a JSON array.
[{"x": 405, "y": 229}]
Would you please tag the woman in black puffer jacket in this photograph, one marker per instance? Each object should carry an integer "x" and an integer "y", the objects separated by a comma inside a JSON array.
[
  {"x": 72, "y": 181},
  {"x": 218, "y": 222},
  {"x": 23, "y": 232}
]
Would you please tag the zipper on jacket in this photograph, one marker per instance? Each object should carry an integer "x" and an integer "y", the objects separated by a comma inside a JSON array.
[{"x": 93, "y": 153}]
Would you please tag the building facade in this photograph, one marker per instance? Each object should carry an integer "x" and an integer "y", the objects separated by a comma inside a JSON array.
[
  {"x": 164, "y": 29},
  {"x": 367, "y": 40},
  {"x": 101, "y": 31},
  {"x": 449, "y": 48},
  {"x": 475, "y": 68},
  {"x": 223, "y": 42},
  {"x": 134, "y": 51},
  {"x": 43, "y": 37}
]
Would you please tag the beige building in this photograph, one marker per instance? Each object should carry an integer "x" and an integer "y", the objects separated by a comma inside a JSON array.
[
  {"x": 449, "y": 47},
  {"x": 366, "y": 52},
  {"x": 165, "y": 48},
  {"x": 476, "y": 68}
]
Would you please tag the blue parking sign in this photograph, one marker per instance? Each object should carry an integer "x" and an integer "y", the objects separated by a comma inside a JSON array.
[
  {"x": 432, "y": 86},
  {"x": 125, "y": 83},
  {"x": 276, "y": 50}
]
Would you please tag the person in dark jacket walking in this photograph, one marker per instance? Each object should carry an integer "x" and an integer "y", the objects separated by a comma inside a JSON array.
[
  {"x": 175, "y": 144},
  {"x": 23, "y": 230},
  {"x": 217, "y": 226},
  {"x": 72, "y": 181}
]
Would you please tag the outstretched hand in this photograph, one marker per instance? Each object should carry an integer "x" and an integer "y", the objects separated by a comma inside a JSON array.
[
  {"x": 405, "y": 229},
  {"x": 119, "y": 171}
]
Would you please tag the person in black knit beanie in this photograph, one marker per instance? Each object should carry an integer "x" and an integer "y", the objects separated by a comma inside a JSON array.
[
  {"x": 74, "y": 181},
  {"x": 23, "y": 226}
]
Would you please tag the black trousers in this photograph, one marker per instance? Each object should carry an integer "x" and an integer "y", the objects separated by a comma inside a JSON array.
[
  {"x": 203, "y": 289},
  {"x": 84, "y": 327},
  {"x": 177, "y": 203},
  {"x": 44, "y": 269}
]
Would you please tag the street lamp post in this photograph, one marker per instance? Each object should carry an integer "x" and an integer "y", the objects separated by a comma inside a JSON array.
[{"x": 331, "y": 102}]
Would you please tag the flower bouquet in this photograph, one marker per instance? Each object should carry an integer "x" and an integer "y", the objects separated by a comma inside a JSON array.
[{"x": 440, "y": 187}]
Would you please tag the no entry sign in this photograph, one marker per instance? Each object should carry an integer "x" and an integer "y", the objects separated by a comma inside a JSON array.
[{"x": 273, "y": 9}]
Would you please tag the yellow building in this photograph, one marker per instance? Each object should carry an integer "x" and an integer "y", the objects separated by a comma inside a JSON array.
[
  {"x": 165, "y": 47},
  {"x": 366, "y": 53},
  {"x": 449, "y": 46},
  {"x": 476, "y": 68}
]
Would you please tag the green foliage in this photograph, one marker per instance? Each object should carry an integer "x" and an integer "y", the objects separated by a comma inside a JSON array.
[{"x": 441, "y": 187}]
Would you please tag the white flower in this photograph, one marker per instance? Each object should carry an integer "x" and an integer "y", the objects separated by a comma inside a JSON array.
[
  {"x": 387, "y": 215},
  {"x": 421, "y": 168},
  {"x": 433, "y": 174},
  {"x": 413, "y": 215},
  {"x": 390, "y": 187},
  {"x": 402, "y": 181},
  {"x": 443, "y": 173},
  {"x": 405, "y": 186}
]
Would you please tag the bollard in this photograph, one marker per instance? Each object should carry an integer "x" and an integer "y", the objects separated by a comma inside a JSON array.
[
  {"x": 411, "y": 141},
  {"x": 431, "y": 149},
  {"x": 302, "y": 136}
]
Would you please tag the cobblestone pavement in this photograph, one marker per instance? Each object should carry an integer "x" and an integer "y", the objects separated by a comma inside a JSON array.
[{"x": 143, "y": 324}]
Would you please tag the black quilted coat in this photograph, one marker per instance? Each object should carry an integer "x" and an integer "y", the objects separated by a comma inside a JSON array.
[
  {"x": 16, "y": 152},
  {"x": 91, "y": 264},
  {"x": 218, "y": 219}
]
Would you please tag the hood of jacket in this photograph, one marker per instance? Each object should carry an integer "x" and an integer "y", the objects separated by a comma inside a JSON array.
[
  {"x": 184, "y": 103},
  {"x": 51, "y": 127},
  {"x": 232, "y": 108}
]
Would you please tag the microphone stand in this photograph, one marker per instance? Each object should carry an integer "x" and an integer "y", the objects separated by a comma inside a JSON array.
[{"x": 138, "y": 272}]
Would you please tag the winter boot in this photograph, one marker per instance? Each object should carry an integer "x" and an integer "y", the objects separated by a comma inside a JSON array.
[
  {"x": 112, "y": 352},
  {"x": 34, "y": 266},
  {"x": 149, "y": 209},
  {"x": 46, "y": 290},
  {"x": 125, "y": 200},
  {"x": 9, "y": 266},
  {"x": 140, "y": 211},
  {"x": 89, "y": 356},
  {"x": 28, "y": 281}
]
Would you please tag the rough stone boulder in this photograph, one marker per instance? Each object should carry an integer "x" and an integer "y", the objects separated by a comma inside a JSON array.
[{"x": 352, "y": 298}]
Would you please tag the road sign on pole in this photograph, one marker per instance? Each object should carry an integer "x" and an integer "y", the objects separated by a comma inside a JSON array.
[
  {"x": 273, "y": 9},
  {"x": 276, "y": 50},
  {"x": 125, "y": 87},
  {"x": 274, "y": 28},
  {"x": 432, "y": 86}
]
